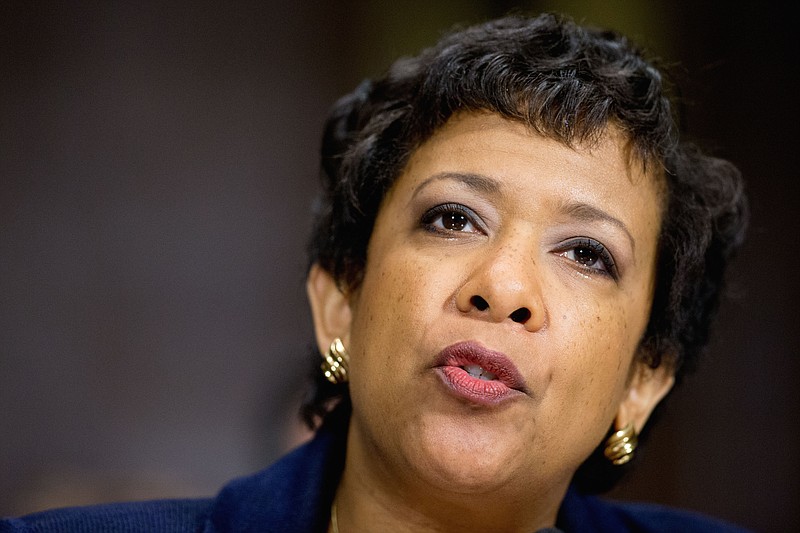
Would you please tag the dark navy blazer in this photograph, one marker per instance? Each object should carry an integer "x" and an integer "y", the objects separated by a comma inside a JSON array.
[{"x": 294, "y": 496}]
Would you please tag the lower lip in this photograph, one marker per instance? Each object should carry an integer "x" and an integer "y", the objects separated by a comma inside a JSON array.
[{"x": 478, "y": 391}]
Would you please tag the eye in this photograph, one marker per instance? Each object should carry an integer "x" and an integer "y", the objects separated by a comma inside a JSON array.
[
  {"x": 591, "y": 255},
  {"x": 451, "y": 218}
]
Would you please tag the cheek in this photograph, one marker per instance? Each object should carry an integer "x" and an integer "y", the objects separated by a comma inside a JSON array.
[
  {"x": 394, "y": 301},
  {"x": 401, "y": 283},
  {"x": 397, "y": 303},
  {"x": 599, "y": 354}
]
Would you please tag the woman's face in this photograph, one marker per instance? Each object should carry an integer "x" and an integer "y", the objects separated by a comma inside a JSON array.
[{"x": 508, "y": 282}]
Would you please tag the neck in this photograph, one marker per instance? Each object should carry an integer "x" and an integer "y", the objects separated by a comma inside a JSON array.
[{"x": 372, "y": 497}]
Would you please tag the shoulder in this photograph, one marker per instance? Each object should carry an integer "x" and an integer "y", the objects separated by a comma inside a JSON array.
[
  {"x": 294, "y": 494},
  {"x": 590, "y": 513},
  {"x": 651, "y": 517},
  {"x": 166, "y": 516}
]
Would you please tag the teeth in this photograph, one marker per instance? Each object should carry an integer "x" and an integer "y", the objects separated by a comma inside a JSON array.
[{"x": 478, "y": 372}]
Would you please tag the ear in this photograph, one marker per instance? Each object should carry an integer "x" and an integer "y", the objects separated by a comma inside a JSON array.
[
  {"x": 646, "y": 389},
  {"x": 330, "y": 308}
]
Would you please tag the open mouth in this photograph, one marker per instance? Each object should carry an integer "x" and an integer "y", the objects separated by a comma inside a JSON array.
[
  {"x": 481, "y": 376},
  {"x": 479, "y": 372}
]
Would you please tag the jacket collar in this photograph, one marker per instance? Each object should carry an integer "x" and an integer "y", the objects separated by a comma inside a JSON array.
[
  {"x": 295, "y": 494},
  {"x": 292, "y": 495}
]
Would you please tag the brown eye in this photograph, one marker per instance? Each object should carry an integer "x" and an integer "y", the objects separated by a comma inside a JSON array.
[
  {"x": 586, "y": 256},
  {"x": 454, "y": 221},
  {"x": 591, "y": 255},
  {"x": 451, "y": 219}
]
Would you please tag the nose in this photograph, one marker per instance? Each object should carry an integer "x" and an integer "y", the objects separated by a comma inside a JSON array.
[{"x": 505, "y": 286}]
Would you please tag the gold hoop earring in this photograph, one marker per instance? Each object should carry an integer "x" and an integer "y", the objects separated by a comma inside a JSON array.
[
  {"x": 620, "y": 446},
  {"x": 336, "y": 362}
]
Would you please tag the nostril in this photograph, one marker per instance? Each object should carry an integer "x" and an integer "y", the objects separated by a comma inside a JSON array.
[
  {"x": 479, "y": 303},
  {"x": 521, "y": 315}
]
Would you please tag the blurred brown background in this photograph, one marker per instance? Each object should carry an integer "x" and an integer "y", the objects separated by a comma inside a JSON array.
[{"x": 157, "y": 165}]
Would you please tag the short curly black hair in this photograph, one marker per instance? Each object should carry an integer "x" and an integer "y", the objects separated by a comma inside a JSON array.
[{"x": 567, "y": 82}]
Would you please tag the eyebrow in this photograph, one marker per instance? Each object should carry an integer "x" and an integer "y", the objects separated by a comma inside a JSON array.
[
  {"x": 477, "y": 182},
  {"x": 584, "y": 212}
]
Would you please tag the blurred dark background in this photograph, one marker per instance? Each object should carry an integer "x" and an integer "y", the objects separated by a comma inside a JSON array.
[{"x": 157, "y": 166}]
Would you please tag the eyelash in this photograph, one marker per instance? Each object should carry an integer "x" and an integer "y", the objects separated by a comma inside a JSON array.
[
  {"x": 596, "y": 247},
  {"x": 435, "y": 213},
  {"x": 609, "y": 268}
]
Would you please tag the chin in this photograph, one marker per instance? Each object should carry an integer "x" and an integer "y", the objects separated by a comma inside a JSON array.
[
  {"x": 466, "y": 458},
  {"x": 467, "y": 477}
]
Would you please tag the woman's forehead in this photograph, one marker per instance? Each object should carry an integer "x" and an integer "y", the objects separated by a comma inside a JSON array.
[{"x": 490, "y": 145}]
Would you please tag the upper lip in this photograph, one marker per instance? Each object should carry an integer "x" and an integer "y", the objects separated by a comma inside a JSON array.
[{"x": 473, "y": 353}]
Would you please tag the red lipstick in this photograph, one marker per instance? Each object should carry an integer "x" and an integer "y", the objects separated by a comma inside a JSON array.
[{"x": 479, "y": 375}]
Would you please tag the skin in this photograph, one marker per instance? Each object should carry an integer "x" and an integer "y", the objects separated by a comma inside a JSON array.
[{"x": 420, "y": 458}]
